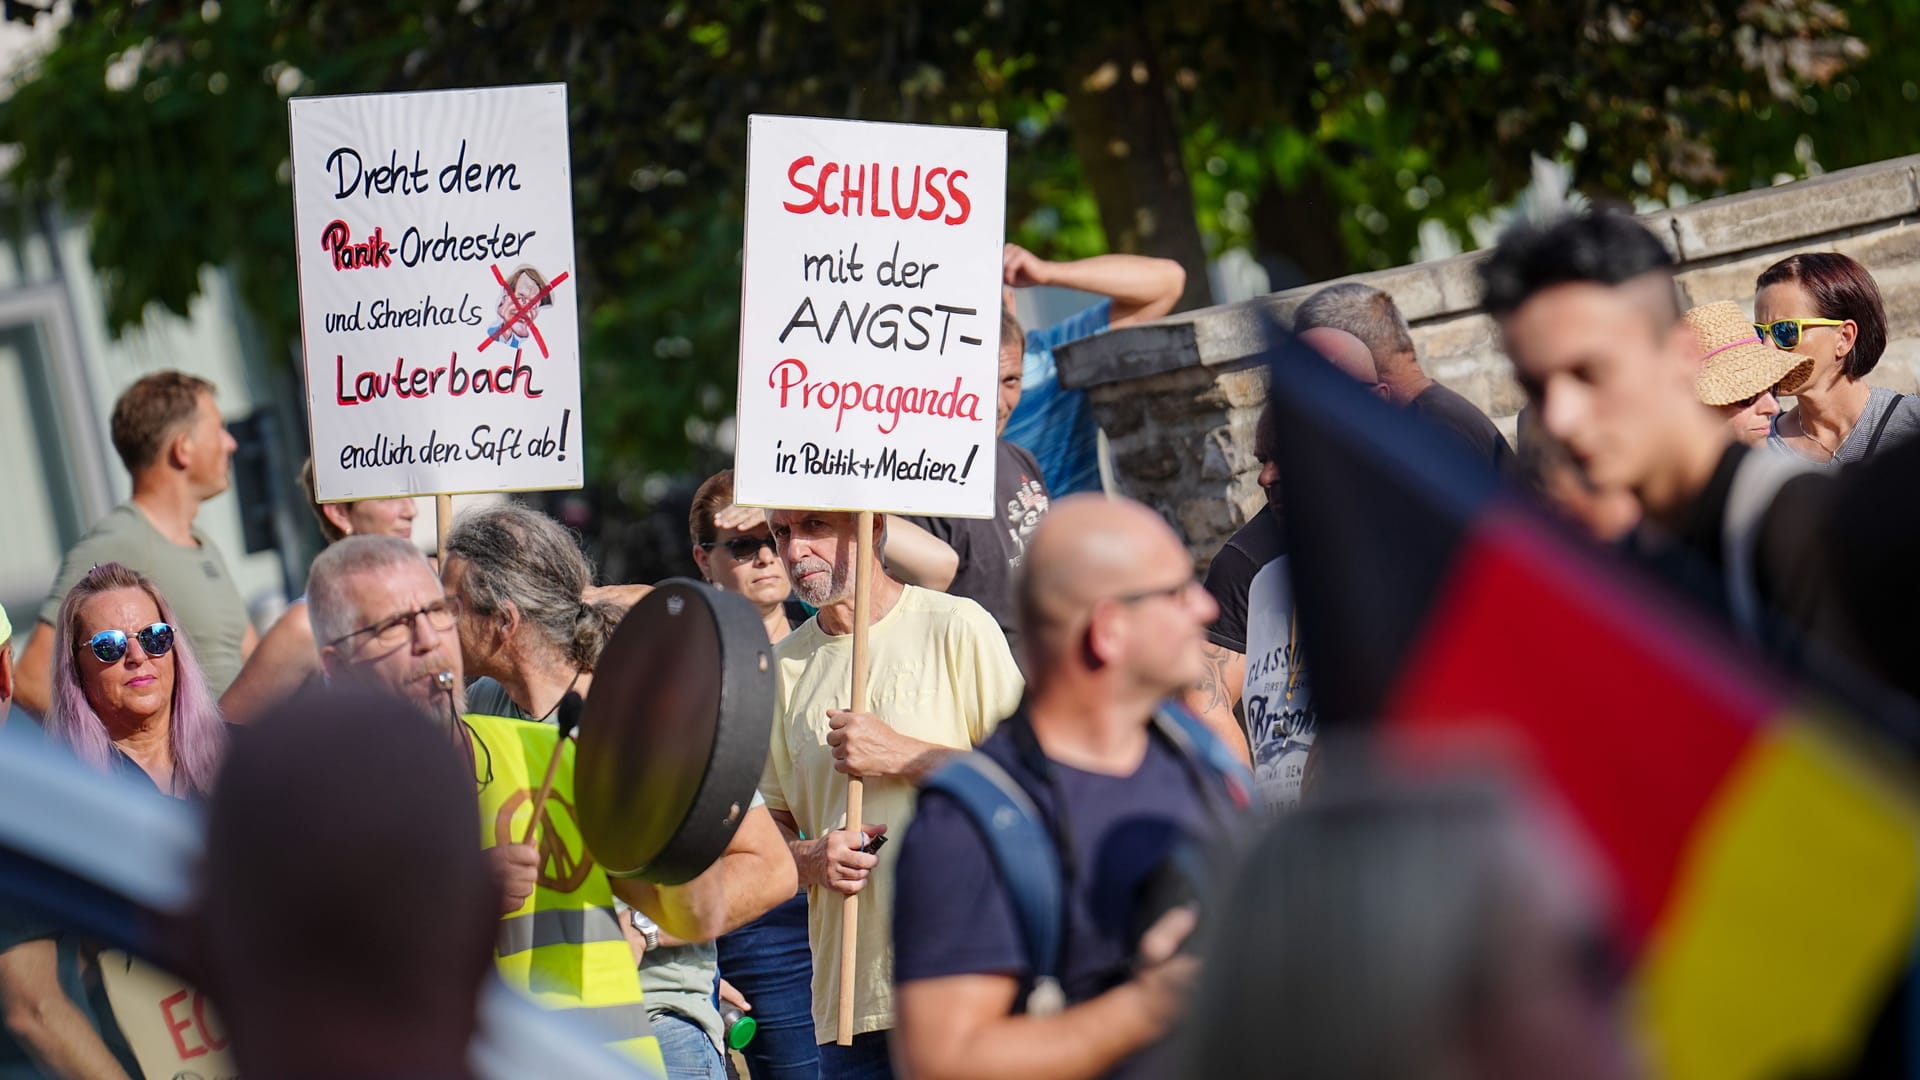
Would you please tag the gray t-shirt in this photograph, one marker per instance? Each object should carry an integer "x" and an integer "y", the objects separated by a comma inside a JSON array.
[
  {"x": 486, "y": 697},
  {"x": 194, "y": 580},
  {"x": 1901, "y": 424}
]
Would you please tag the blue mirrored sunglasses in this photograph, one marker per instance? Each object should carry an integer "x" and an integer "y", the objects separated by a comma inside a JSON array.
[{"x": 110, "y": 645}]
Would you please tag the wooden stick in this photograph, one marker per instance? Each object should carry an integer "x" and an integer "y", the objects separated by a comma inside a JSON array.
[
  {"x": 442, "y": 524},
  {"x": 569, "y": 713},
  {"x": 862, "y": 616}
]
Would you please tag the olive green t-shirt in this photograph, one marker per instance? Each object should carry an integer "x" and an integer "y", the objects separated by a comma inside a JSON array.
[{"x": 195, "y": 581}]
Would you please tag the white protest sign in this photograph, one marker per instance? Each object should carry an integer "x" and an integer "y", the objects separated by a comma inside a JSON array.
[
  {"x": 870, "y": 316},
  {"x": 170, "y": 1027},
  {"x": 437, "y": 285}
]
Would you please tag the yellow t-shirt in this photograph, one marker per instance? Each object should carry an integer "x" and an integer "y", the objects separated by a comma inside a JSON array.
[{"x": 939, "y": 671}]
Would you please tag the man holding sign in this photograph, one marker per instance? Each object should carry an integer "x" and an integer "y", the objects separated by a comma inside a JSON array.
[
  {"x": 869, "y": 304},
  {"x": 941, "y": 677}
]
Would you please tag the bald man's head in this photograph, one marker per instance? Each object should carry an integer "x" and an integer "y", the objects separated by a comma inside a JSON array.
[
  {"x": 1344, "y": 351},
  {"x": 1093, "y": 553}
]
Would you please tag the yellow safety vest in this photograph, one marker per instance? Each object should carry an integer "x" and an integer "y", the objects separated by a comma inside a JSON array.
[{"x": 563, "y": 948}]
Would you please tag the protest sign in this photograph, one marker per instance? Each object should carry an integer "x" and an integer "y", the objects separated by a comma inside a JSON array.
[
  {"x": 435, "y": 255},
  {"x": 870, "y": 316},
  {"x": 170, "y": 1027}
]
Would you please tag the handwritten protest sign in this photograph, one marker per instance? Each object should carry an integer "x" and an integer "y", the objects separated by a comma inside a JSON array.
[
  {"x": 170, "y": 1027},
  {"x": 435, "y": 235},
  {"x": 870, "y": 316}
]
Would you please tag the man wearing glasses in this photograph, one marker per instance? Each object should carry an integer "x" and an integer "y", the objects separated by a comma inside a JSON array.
[
  {"x": 1114, "y": 624},
  {"x": 382, "y": 619}
]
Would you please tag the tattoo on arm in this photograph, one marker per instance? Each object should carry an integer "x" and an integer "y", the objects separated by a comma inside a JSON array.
[{"x": 1214, "y": 691}]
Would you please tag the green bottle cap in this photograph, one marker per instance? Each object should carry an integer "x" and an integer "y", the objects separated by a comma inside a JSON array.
[{"x": 741, "y": 1032}]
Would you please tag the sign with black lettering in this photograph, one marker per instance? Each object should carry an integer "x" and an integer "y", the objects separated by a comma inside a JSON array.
[
  {"x": 870, "y": 316},
  {"x": 435, "y": 254}
]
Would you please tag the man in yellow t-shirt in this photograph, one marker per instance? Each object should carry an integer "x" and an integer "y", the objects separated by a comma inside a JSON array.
[{"x": 940, "y": 677}]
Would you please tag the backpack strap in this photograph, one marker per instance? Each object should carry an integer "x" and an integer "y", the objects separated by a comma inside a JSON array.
[
  {"x": 1023, "y": 852},
  {"x": 1193, "y": 738},
  {"x": 1755, "y": 483},
  {"x": 1880, "y": 428}
]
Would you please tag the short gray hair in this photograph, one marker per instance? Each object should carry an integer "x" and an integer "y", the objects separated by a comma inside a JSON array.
[
  {"x": 1363, "y": 311},
  {"x": 331, "y": 614},
  {"x": 524, "y": 560}
]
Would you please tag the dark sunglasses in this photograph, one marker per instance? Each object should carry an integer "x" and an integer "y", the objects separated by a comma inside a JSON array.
[
  {"x": 110, "y": 645},
  {"x": 743, "y": 547}
]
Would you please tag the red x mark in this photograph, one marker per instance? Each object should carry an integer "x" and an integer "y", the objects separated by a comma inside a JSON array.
[{"x": 520, "y": 311}]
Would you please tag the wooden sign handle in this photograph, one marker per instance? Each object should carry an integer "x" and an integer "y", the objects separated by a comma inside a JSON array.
[
  {"x": 442, "y": 524},
  {"x": 864, "y": 567}
]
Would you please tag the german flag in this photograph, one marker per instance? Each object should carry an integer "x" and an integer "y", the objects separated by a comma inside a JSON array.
[{"x": 1765, "y": 859}]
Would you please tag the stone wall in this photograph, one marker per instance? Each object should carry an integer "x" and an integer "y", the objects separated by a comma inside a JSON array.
[{"x": 1178, "y": 397}]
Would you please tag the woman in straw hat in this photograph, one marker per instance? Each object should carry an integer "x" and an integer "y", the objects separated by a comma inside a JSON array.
[
  {"x": 1824, "y": 306},
  {"x": 1740, "y": 377}
]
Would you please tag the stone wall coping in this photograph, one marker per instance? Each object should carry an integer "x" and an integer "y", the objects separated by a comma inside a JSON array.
[{"x": 1231, "y": 334}]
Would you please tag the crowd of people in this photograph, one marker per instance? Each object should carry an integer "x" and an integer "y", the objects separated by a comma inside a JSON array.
[{"x": 1100, "y": 836}]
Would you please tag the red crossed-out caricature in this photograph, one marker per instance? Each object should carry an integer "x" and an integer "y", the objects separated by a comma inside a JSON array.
[{"x": 522, "y": 294}]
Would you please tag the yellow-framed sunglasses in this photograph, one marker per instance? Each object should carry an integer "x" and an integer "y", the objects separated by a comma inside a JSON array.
[{"x": 1785, "y": 333}]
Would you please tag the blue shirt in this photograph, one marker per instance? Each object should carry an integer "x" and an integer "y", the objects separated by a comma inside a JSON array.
[{"x": 1054, "y": 425}]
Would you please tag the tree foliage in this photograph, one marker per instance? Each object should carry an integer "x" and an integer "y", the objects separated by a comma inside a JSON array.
[{"x": 1317, "y": 131}]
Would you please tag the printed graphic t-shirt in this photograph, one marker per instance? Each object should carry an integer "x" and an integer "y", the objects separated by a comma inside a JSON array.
[
  {"x": 1248, "y": 579},
  {"x": 939, "y": 672},
  {"x": 991, "y": 549}
]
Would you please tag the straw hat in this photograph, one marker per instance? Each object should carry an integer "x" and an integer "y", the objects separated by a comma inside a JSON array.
[{"x": 1734, "y": 363}]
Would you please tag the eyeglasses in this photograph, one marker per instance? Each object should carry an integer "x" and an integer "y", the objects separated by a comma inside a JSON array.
[
  {"x": 1747, "y": 402},
  {"x": 743, "y": 547},
  {"x": 110, "y": 645},
  {"x": 397, "y": 631},
  {"x": 1171, "y": 592},
  {"x": 1786, "y": 332}
]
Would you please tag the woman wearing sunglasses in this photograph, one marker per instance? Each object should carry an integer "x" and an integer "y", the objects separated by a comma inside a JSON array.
[
  {"x": 1825, "y": 306},
  {"x": 1740, "y": 378},
  {"x": 128, "y": 695}
]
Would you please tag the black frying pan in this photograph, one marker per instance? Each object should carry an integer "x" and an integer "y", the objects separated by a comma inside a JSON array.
[{"x": 675, "y": 733}]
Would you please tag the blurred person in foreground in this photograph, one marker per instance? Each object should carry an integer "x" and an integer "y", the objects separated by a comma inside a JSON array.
[
  {"x": 1371, "y": 315},
  {"x": 383, "y": 619},
  {"x": 1543, "y": 467},
  {"x": 1590, "y": 317},
  {"x": 1056, "y": 426},
  {"x": 940, "y": 677},
  {"x": 1115, "y": 623},
  {"x": 1253, "y": 660},
  {"x": 1741, "y": 378},
  {"x": 519, "y": 577},
  {"x": 988, "y": 551},
  {"x": 169, "y": 435},
  {"x": 765, "y": 966},
  {"x": 321, "y": 969},
  {"x": 1825, "y": 307},
  {"x": 286, "y": 659},
  {"x": 1406, "y": 932},
  {"x": 128, "y": 698}
]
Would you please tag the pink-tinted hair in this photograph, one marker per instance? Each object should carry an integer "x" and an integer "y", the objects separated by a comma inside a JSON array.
[{"x": 197, "y": 733}]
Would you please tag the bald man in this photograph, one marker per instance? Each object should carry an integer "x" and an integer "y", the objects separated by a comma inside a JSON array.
[{"x": 1114, "y": 623}]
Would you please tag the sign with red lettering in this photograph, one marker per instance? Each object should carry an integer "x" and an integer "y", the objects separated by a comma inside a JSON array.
[
  {"x": 435, "y": 255},
  {"x": 170, "y": 1027},
  {"x": 870, "y": 316}
]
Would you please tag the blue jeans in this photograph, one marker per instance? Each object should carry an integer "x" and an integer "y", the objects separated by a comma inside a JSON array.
[
  {"x": 866, "y": 1059},
  {"x": 767, "y": 960},
  {"x": 685, "y": 1048}
]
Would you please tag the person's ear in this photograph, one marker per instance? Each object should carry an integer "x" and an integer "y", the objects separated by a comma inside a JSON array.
[
  {"x": 333, "y": 664},
  {"x": 700, "y": 560},
  {"x": 1849, "y": 334},
  {"x": 338, "y": 514},
  {"x": 1098, "y": 645},
  {"x": 179, "y": 448}
]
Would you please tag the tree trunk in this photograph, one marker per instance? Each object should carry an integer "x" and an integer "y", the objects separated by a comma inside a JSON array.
[
  {"x": 1296, "y": 234},
  {"x": 1128, "y": 141}
]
